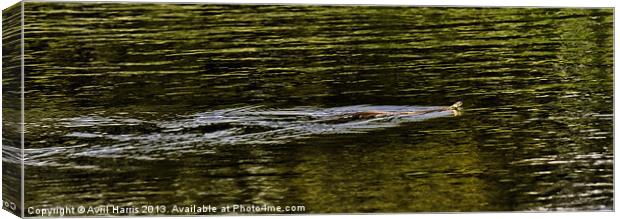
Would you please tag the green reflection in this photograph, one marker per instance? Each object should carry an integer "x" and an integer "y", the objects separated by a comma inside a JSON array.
[{"x": 536, "y": 132}]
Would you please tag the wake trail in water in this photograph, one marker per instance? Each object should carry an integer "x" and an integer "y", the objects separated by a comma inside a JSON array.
[{"x": 117, "y": 137}]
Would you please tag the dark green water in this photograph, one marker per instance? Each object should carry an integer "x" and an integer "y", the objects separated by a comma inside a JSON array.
[{"x": 132, "y": 104}]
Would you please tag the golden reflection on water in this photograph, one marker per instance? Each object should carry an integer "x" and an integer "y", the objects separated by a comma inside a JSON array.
[{"x": 129, "y": 89}]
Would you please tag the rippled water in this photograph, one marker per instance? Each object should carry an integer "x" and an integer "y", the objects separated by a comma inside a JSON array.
[
  {"x": 129, "y": 104},
  {"x": 122, "y": 137}
]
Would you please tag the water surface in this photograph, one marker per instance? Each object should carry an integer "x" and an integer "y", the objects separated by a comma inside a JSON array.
[{"x": 132, "y": 104}]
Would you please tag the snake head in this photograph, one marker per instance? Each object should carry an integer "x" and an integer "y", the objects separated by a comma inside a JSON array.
[{"x": 456, "y": 106}]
